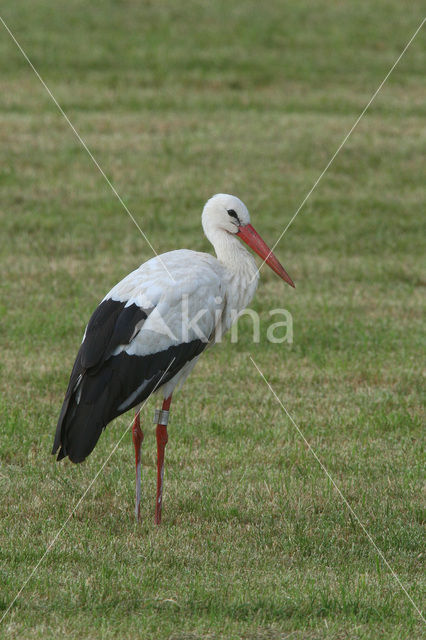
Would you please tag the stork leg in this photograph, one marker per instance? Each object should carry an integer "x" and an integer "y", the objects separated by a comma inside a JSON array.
[
  {"x": 137, "y": 437},
  {"x": 161, "y": 418}
]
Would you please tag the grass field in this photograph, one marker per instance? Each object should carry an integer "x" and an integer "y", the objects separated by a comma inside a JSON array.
[{"x": 179, "y": 101}]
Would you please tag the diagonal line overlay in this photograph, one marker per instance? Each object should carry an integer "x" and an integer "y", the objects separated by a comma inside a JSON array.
[
  {"x": 55, "y": 538},
  {"x": 80, "y": 500},
  {"x": 84, "y": 145},
  {"x": 380, "y": 553},
  {"x": 345, "y": 139}
]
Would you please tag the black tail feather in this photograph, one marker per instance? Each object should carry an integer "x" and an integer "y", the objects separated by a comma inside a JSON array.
[{"x": 97, "y": 396}]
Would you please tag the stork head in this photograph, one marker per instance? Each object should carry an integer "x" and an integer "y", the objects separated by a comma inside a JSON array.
[{"x": 224, "y": 212}]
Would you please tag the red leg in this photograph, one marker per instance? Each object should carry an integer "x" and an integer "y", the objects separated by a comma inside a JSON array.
[
  {"x": 137, "y": 437},
  {"x": 162, "y": 439}
]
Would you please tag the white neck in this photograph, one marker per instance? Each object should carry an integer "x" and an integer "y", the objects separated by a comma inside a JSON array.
[{"x": 240, "y": 265}]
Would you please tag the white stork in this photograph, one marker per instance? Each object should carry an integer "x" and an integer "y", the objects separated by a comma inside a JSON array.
[{"x": 150, "y": 329}]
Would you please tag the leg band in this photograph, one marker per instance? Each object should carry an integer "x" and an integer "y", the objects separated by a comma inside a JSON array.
[{"x": 161, "y": 417}]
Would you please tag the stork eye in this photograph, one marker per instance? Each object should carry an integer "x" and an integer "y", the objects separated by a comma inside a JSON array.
[{"x": 232, "y": 213}]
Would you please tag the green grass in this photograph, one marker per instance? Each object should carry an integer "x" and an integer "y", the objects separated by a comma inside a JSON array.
[{"x": 179, "y": 101}]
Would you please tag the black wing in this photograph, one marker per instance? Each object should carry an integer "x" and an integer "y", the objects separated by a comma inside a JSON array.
[{"x": 102, "y": 386}]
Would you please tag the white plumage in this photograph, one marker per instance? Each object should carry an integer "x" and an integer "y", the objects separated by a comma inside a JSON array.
[{"x": 150, "y": 329}]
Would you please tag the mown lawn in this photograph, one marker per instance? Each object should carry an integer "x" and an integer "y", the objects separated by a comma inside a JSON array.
[{"x": 179, "y": 101}]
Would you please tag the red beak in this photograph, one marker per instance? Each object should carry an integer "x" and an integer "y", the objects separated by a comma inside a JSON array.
[{"x": 253, "y": 239}]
